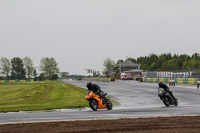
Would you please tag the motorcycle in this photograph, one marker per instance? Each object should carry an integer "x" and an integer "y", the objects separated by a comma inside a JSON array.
[
  {"x": 166, "y": 97},
  {"x": 97, "y": 102}
]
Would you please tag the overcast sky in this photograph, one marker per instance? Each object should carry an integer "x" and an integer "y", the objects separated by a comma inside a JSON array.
[{"x": 80, "y": 34}]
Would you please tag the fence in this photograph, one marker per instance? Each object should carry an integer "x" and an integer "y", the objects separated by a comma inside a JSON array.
[{"x": 174, "y": 74}]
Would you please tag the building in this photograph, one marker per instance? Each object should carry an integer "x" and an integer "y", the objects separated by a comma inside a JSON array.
[{"x": 128, "y": 66}]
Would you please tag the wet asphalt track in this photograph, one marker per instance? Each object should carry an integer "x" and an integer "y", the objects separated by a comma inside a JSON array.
[{"x": 136, "y": 99}]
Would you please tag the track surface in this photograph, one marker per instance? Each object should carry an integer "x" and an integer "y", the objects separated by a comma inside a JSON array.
[{"x": 136, "y": 99}]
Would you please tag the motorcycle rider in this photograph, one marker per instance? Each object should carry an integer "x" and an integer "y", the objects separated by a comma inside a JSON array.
[
  {"x": 95, "y": 88},
  {"x": 165, "y": 87}
]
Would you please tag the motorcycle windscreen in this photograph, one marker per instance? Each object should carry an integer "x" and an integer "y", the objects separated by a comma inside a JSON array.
[
  {"x": 161, "y": 92},
  {"x": 88, "y": 92},
  {"x": 89, "y": 95}
]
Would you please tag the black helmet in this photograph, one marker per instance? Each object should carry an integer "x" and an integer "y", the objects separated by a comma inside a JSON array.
[
  {"x": 89, "y": 85},
  {"x": 160, "y": 84}
]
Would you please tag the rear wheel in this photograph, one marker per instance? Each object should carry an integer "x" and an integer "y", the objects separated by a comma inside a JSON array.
[
  {"x": 176, "y": 103},
  {"x": 165, "y": 101},
  {"x": 109, "y": 105},
  {"x": 93, "y": 104}
]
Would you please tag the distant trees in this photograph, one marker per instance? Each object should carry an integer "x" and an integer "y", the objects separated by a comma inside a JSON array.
[
  {"x": 132, "y": 59},
  {"x": 5, "y": 66},
  {"x": 119, "y": 61},
  {"x": 192, "y": 64},
  {"x": 64, "y": 75},
  {"x": 28, "y": 64},
  {"x": 49, "y": 68},
  {"x": 167, "y": 61},
  {"x": 109, "y": 64},
  {"x": 18, "y": 68},
  {"x": 35, "y": 78}
]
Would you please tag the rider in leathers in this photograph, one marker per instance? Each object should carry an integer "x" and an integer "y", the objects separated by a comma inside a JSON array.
[
  {"x": 95, "y": 88},
  {"x": 165, "y": 87}
]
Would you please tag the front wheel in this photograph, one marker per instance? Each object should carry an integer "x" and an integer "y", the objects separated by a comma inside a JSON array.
[
  {"x": 109, "y": 105},
  {"x": 93, "y": 104},
  {"x": 165, "y": 101}
]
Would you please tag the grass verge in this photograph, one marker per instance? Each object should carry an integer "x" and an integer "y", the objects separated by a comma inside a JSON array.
[{"x": 41, "y": 96}]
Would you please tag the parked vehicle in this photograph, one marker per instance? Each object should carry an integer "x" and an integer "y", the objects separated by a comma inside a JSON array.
[
  {"x": 126, "y": 76},
  {"x": 97, "y": 102},
  {"x": 166, "y": 97}
]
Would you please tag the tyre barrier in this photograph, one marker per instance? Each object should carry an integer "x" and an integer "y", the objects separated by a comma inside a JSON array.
[{"x": 14, "y": 81}]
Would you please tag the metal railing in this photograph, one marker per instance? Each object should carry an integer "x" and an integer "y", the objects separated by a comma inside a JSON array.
[{"x": 195, "y": 73}]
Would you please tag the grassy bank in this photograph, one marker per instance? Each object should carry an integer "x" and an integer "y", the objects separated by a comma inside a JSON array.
[
  {"x": 41, "y": 96},
  {"x": 45, "y": 96}
]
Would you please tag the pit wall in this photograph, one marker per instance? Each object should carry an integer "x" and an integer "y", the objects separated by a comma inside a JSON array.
[{"x": 177, "y": 80}]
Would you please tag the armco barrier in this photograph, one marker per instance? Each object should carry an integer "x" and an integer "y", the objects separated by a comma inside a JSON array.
[
  {"x": 177, "y": 80},
  {"x": 98, "y": 79},
  {"x": 104, "y": 79},
  {"x": 92, "y": 78}
]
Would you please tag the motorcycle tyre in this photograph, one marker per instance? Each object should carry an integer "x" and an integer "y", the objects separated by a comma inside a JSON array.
[
  {"x": 93, "y": 104},
  {"x": 109, "y": 105},
  {"x": 176, "y": 103},
  {"x": 165, "y": 102}
]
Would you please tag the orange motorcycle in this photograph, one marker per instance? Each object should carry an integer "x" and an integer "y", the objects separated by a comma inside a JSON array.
[{"x": 97, "y": 102}]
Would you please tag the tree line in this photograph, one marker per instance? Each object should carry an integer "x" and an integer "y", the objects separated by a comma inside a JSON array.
[
  {"x": 154, "y": 62},
  {"x": 167, "y": 61},
  {"x": 23, "y": 68}
]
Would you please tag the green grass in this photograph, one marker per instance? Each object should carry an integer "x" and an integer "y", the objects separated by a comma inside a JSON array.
[
  {"x": 31, "y": 82},
  {"x": 24, "y": 97},
  {"x": 41, "y": 96}
]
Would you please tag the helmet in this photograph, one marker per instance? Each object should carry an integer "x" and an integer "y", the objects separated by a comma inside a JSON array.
[
  {"x": 160, "y": 84},
  {"x": 89, "y": 85}
]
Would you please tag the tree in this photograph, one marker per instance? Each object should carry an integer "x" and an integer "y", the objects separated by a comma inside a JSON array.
[
  {"x": 54, "y": 77},
  {"x": 18, "y": 71},
  {"x": 181, "y": 59},
  {"x": 132, "y": 60},
  {"x": 64, "y": 75},
  {"x": 109, "y": 64},
  {"x": 170, "y": 65},
  {"x": 153, "y": 66},
  {"x": 42, "y": 77},
  {"x": 119, "y": 61},
  {"x": 49, "y": 67},
  {"x": 5, "y": 66},
  {"x": 161, "y": 60},
  {"x": 143, "y": 62},
  {"x": 28, "y": 63},
  {"x": 196, "y": 56},
  {"x": 192, "y": 64},
  {"x": 152, "y": 58},
  {"x": 35, "y": 75}
]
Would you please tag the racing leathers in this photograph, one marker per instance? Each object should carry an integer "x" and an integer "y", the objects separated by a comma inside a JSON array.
[
  {"x": 165, "y": 87},
  {"x": 96, "y": 89}
]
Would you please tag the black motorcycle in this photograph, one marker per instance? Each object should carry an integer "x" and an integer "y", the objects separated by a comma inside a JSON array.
[{"x": 166, "y": 97}]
